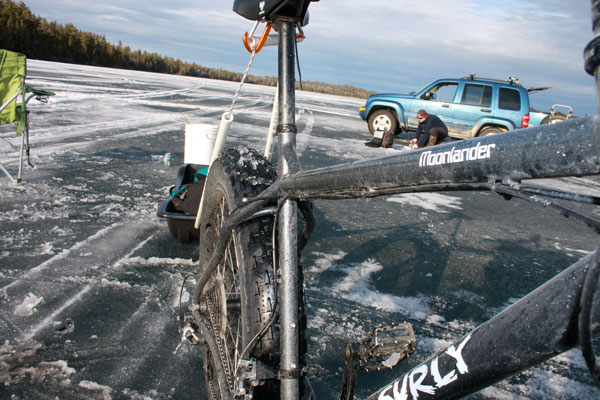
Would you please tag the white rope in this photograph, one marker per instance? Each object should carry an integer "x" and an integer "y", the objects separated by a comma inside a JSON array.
[
  {"x": 239, "y": 89},
  {"x": 224, "y": 127}
]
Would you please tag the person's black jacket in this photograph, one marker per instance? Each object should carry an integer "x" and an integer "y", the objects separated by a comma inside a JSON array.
[{"x": 422, "y": 133}]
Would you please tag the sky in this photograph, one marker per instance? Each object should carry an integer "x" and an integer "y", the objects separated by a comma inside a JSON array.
[{"x": 380, "y": 45}]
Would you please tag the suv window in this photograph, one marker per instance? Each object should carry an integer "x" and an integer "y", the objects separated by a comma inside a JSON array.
[
  {"x": 509, "y": 99},
  {"x": 477, "y": 95},
  {"x": 441, "y": 92}
]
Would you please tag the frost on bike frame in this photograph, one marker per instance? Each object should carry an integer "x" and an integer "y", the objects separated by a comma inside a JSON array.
[{"x": 559, "y": 315}]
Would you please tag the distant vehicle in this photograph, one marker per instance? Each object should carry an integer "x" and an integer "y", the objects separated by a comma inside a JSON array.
[
  {"x": 469, "y": 106},
  {"x": 541, "y": 118}
]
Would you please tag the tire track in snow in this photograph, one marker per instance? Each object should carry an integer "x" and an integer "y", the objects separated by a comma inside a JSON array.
[
  {"x": 65, "y": 279},
  {"x": 54, "y": 140},
  {"x": 79, "y": 295},
  {"x": 158, "y": 337},
  {"x": 32, "y": 273},
  {"x": 50, "y": 318}
]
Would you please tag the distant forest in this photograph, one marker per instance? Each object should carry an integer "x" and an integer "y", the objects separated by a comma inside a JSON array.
[{"x": 24, "y": 32}]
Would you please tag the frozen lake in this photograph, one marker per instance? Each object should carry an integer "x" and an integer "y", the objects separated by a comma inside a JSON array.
[{"x": 90, "y": 277}]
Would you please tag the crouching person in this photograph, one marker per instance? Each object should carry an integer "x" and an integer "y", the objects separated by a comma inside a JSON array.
[{"x": 431, "y": 131}]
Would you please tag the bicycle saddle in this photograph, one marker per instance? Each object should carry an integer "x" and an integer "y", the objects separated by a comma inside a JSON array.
[{"x": 266, "y": 9}]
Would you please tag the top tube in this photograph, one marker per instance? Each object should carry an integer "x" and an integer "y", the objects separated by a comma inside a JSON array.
[{"x": 571, "y": 148}]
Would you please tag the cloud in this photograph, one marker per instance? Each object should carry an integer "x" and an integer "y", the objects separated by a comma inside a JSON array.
[
  {"x": 378, "y": 45},
  {"x": 401, "y": 46}
]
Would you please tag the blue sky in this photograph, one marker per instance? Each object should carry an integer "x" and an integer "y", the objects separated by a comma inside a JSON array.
[{"x": 380, "y": 45}]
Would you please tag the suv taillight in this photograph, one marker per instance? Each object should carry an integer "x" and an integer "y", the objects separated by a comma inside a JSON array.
[{"x": 525, "y": 121}]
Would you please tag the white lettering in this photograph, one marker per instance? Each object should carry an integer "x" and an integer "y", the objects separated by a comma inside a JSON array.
[
  {"x": 415, "y": 386},
  {"x": 398, "y": 395},
  {"x": 473, "y": 153},
  {"x": 481, "y": 152},
  {"x": 477, "y": 152},
  {"x": 413, "y": 380},
  {"x": 403, "y": 395},
  {"x": 423, "y": 158},
  {"x": 457, "y": 355},
  {"x": 447, "y": 157},
  {"x": 383, "y": 395},
  {"x": 439, "y": 380},
  {"x": 456, "y": 155}
]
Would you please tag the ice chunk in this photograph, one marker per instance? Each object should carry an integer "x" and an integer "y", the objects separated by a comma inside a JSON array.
[{"x": 27, "y": 307}]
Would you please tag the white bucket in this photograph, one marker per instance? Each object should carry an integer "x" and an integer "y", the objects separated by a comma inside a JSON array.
[{"x": 199, "y": 142}]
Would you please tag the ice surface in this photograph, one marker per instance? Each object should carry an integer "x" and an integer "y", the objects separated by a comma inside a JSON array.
[
  {"x": 81, "y": 242},
  {"x": 27, "y": 307},
  {"x": 355, "y": 287},
  {"x": 104, "y": 390},
  {"x": 429, "y": 201},
  {"x": 19, "y": 364}
]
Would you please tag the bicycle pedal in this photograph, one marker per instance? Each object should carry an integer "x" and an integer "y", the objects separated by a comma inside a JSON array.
[
  {"x": 385, "y": 346},
  {"x": 188, "y": 332}
]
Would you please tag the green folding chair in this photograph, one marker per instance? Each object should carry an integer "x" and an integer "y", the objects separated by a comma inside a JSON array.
[{"x": 14, "y": 96}]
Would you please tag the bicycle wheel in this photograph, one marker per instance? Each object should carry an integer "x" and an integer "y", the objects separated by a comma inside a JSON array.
[{"x": 238, "y": 301}]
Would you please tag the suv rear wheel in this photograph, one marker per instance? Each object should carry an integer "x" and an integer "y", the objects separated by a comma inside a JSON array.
[
  {"x": 490, "y": 130},
  {"x": 383, "y": 120}
]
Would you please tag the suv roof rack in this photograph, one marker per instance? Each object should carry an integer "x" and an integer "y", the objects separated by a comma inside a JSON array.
[{"x": 512, "y": 80}]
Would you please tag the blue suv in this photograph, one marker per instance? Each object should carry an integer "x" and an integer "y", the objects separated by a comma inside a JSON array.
[{"x": 468, "y": 106}]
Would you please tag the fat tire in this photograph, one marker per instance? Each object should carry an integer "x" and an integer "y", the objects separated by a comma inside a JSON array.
[{"x": 237, "y": 175}]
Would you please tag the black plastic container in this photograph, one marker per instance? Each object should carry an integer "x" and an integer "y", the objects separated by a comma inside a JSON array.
[{"x": 181, "y": 224}]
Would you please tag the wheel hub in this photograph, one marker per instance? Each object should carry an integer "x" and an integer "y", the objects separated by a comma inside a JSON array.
[{"x": 382, "y": 122}]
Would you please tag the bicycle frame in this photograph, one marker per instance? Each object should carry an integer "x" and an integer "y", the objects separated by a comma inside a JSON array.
[
  {"x": 545, "y": 320},
  {"x": 288, "y": 165},
  {"x": 498, "y": 348},
  {"x": 494, "y": 163}
]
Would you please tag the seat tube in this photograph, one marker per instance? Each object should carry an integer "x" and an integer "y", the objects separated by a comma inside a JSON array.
[{"x": 287, "y": 222}]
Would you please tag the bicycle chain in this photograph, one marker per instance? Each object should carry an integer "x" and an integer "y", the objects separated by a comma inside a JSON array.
[{"x": 211, "y": 320}]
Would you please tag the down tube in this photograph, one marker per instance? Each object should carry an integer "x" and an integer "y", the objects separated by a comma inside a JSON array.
[{"x": 536, "y": 328}]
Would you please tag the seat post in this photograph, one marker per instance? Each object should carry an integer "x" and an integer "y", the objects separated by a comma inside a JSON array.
[
  {"x": 286, "y": 128},
  {"x": 288, "y": 164}
]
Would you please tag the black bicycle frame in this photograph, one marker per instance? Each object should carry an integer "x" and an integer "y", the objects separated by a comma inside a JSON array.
[
  {"x": 288, "y": 165},
  {"x": 571, "y": 148},
  {"x": 541, "y": 325}
]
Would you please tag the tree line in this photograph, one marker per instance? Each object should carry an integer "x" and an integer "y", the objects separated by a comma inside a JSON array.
[{"x": 24, "y": 32}]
